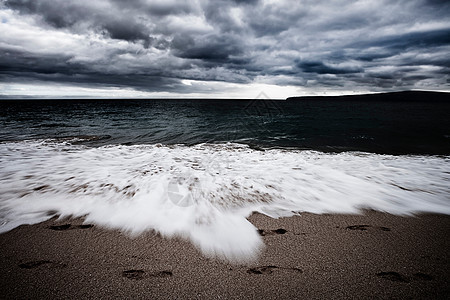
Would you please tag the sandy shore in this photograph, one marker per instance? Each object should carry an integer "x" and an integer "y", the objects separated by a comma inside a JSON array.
[{"x": 374, "y": 255}]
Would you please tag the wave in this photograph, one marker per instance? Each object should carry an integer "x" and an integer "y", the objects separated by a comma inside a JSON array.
[{"x": 205, "y": 192}]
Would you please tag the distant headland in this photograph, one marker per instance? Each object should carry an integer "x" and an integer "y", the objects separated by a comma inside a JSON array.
[{"x": 406, "y": 96}]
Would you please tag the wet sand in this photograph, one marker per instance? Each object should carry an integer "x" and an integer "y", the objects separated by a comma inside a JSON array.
[{"x": 373, "y": 255}]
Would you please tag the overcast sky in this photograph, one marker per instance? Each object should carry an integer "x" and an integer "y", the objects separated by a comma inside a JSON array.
[{"x": 234, "y": 48}]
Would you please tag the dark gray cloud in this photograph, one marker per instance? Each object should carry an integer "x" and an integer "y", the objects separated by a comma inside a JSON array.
[
  {"x": 70, "y": 14},
  {"x": 218, "y": 48},
  {"x": 155, "y": 45},
  {"x": 403, "y": 42},
  {"x": 321, "y": 68}
]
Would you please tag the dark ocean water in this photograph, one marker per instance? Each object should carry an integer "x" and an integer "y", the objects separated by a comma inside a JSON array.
[
  {"x": 198, "y": 168},
  {"x": 405, "y": 126}
]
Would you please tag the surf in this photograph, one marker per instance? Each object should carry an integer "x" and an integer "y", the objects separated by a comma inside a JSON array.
[{"x": 205, "y": 192}]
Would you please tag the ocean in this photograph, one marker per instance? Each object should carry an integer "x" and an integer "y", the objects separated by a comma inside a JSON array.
[{"x": 197, "y": 168}]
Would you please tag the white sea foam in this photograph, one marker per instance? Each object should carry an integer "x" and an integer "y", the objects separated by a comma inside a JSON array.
[{"x": 205, "y": 192}]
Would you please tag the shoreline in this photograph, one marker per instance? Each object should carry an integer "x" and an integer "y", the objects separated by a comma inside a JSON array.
[{"x": 370, "y": 255}]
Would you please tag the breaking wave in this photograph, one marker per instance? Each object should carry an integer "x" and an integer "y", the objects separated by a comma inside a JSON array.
[{"x": 205, "y": 192}]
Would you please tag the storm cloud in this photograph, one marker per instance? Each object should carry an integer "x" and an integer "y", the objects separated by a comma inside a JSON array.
[{"x": 198, "y": 47}]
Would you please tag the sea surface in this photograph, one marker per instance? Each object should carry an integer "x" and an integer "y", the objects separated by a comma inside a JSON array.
[{"x": 198, "y": 168}]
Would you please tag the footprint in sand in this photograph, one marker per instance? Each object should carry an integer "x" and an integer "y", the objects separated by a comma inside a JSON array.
[
  {"x": 270, "y": 269},
  {"x": 395, "y": 276},
  {"x": 162, "y": 274},
  {"x": 38, "y": 263},
  {"x": 422, "y": 276},
  {"x": 133, "y": 274},
  {"x": 263, "y": 232},
  {"x": 70, "y": 226},
  {"x": 60, "y": 227},
  {"x": 261, "y": 270},
  {"x": 365, "y": 227},
  {"x": 141, "y": 274}
]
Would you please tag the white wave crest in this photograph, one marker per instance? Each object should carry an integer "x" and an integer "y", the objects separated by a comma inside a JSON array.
[{"x": 205, "y": 192}]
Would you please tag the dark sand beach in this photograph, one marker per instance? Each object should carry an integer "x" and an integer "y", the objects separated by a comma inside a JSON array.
[{"x": 373, "y": 255}]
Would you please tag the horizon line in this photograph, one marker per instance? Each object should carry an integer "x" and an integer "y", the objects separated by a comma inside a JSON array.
[{"x": 30, "y": 97}]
